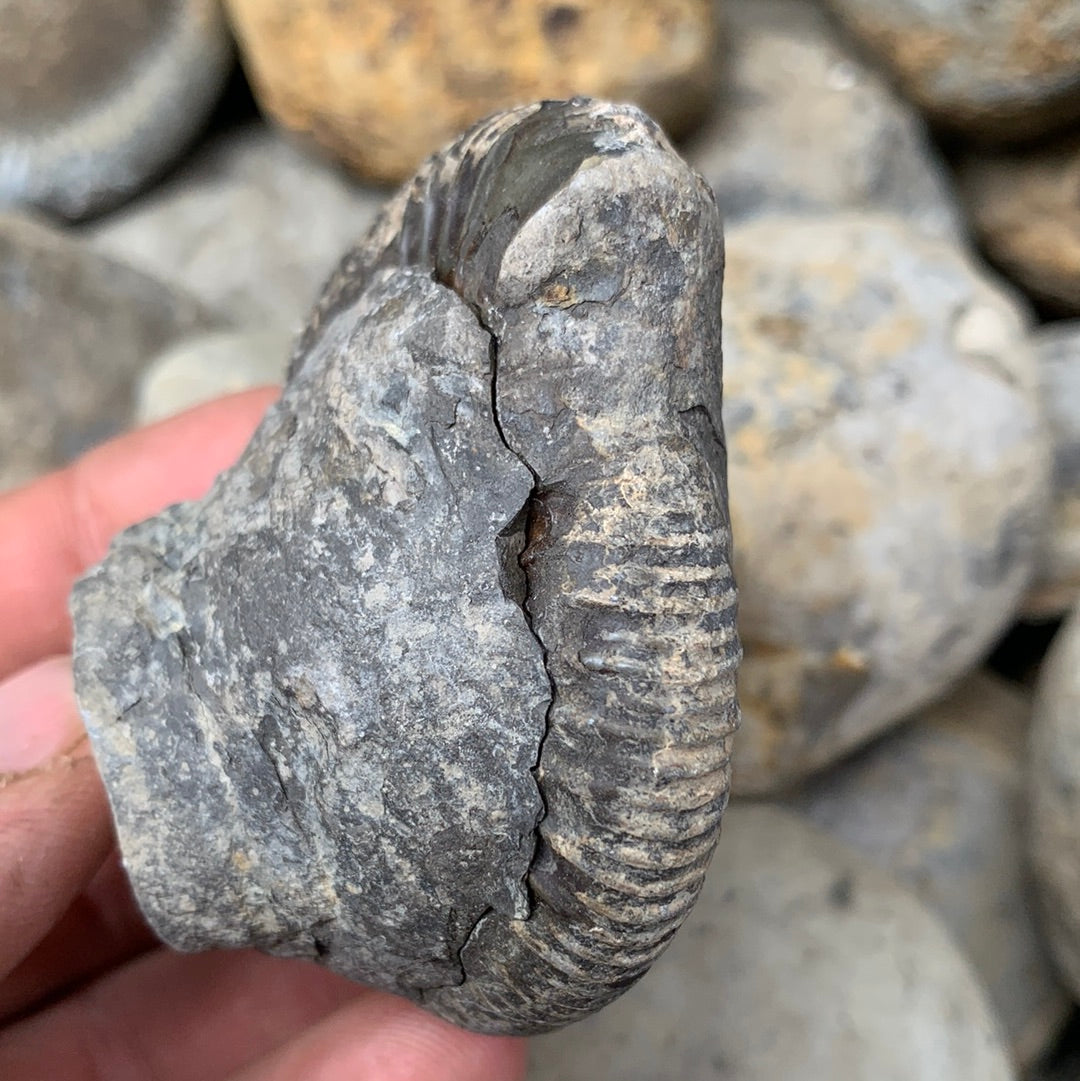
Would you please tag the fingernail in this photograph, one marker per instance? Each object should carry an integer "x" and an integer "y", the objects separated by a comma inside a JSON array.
[{"x": 38, "y": 717}]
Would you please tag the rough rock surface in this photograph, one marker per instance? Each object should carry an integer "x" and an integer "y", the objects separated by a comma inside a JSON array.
[
  {"x": 800, "y": 960},
  {"x": 941, "y": 805},
  {"x": 1027, "y": 216},
  {"x": 383, "y": 84},
  {"x": 252, "y": 226},
  {"x": 800, "y": 124},
  {"x": 200, "y": 368},
  {"x": 1004, "y": 70},
  {"x": 99, "y": 95},
  {"x": 1055, "y": 797},
  {"x": 76, "y": 330},
  {"x": 888, "y": 474},
  {"x": 437, "y": 684},
  {"x": 1057, "y": 583}
]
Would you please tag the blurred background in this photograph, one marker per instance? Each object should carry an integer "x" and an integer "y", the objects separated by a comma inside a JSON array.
[{"x": 897, "y": 892}]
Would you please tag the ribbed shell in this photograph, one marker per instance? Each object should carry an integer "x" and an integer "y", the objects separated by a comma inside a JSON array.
[{"x": 627, "y": 540}]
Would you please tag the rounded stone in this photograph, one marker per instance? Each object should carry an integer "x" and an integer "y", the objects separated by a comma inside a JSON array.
[
  {"x": 800, "y": 960},
  {"x": 1054, "y": 782},
  {"x": 889, "y": 475},
  {"x": 200, "y": 368},
  {"x": 1057, "y": 581},
  {"x": 100, "y": 95},
  {"x": 1027, "y": 216},
  {"x": 76, "y": 330},
  {"x": 1002, "y": 71},
  {"x": 940, "y": 803},
  {"x": 844, "y": 140},
  {"x": 382, "y": 85},
  {"x": 251, "y": 226}
]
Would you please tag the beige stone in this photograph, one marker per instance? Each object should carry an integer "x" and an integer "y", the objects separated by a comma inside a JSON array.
[
  {"x": 940, "y": 804},
  {"x": 889, "y": 477},
  {"x": 382, "y": 84},
  {"x": 1026, "y": 212}
]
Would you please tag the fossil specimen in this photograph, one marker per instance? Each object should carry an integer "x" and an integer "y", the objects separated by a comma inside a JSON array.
[{"x": 437, "y": 683}]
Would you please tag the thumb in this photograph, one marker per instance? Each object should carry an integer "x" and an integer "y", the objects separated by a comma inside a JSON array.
[{"x": 54, "y": 817}]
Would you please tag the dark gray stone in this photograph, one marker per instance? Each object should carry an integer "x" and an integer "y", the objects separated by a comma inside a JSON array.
[
  {"x": 100, "y": 95},
  {"x": 437, "y": 684},
  {"x": 76, "y": 330}
]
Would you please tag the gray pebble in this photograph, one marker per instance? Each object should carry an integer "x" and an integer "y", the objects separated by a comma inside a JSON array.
[
  {"x": 1055, "y": 797},
  {"x": 100, "y": 95},
  {"x": 940, "y": 804},
  {"x": 201, "y": 368},
  {"x": 801, "y": 960},
  {"x": 1001, "y": 71},
  {"x": 889, "y": 474},
  {"x": 801, "y": 124},
  {"x": 252, "y": 225},
  {"x": 76, "y": 331}
]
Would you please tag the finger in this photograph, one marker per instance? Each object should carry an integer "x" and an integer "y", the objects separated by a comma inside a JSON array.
[
  {"x": 174, "y": 1017},
  {"x": 53, "y": 529},
  {"x": 384, "y": 1038},
  {"x": 101, "y": 929},
  {"x": 54, "y": 819}
]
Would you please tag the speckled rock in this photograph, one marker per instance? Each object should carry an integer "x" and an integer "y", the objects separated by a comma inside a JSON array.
[
  {"x": 76, "y": 329},
  {"x": 801, "y": 124},
  {"x": 252, "y": 226},
  {"x": 940, "y": 803},
  {"x": 383, "y": 84},
  {"x": 1004, "y": 70},
  {"x": 889, "y": 475},
  {"x": 1025, "y": 210},
  {"x": 100, "y": 95},
  {"x": 437, "y": 685},
  {"x": 208, "y": 366},
  {"x": 800, "y": 961},
  {"x": 1055, "y": 797},
  {"x": 1057, "y": 583}
]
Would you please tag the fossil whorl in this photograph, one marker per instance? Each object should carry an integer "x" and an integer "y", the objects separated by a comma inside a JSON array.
[{"x": 586, "y": 257}]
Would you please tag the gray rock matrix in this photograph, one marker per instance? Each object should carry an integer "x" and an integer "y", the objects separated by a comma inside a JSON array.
[
  {"x": 100, "y": 95},
  {"x": 437, "y": 684}
]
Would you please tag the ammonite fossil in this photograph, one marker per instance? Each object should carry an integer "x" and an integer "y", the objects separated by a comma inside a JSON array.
[{"x": 437, "y": 683}]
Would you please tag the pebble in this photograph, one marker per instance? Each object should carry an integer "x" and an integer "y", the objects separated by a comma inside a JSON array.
[
  {"x": 842, "y": 140},
  {"x": 1025, "y": 210},
  {"x": 252, "y": 226},
  {"x": 1001, "y": 71},
  {"x": 382, "y": 85},
  {"x": 100, "y": 95},
  {"x": 889, "y": 477},
  {"x": 76, "y": 329},
  {"x": 1057, "y": 584},
  {"x": 1054, "y": 788},
  {"x": 940, "y": 804},
  {"x": 200, "y": 368},
  {"x": 801, "y": 960}
]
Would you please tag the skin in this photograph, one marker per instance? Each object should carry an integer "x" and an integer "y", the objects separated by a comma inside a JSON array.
[{"x": 86, "y": 992}]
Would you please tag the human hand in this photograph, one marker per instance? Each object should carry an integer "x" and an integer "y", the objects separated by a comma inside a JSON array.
[{"x": 86, "y": 992}]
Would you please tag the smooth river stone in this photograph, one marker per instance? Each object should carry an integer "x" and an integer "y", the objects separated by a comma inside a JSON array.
[
  {"x": 801, "y": 960},
  {"x": 252, "y": 226},
  {"x": 801, "y": 124},
  {"x": 100, "y": 95},
  {"x": 889, "y": 477},
  {"x": 1000, "y": 71},
  {"x": 940, "y": 803},
  {"x": 383, "y": 83},
  {"x": 76, "y": 331},
  {"x": 1054, "y": 789},
  {"x": 1057, "y": 584},
  {"x": 1025, "y": 210}
]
